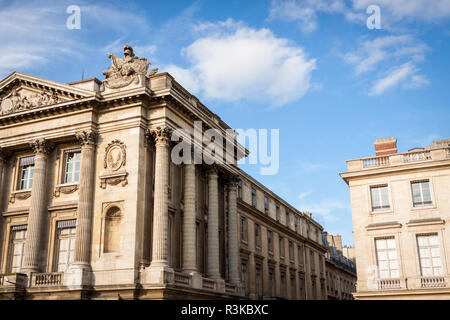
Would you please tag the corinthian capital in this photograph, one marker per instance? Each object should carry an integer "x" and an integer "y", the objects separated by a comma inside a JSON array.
[
  {"x": 42, "y": 146},
  {"x": 233, "y": 180},
  {"x": 161, "y": 134},
  {"x": 87, "y": 137}
]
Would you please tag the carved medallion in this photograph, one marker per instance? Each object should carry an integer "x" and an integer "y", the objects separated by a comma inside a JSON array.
[{"x": 115, "y": 155}]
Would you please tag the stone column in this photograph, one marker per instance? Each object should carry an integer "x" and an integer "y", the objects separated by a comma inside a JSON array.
[
  {"x": 189, "y": 221},
  {"x": 213, "y": 224},
  {"x": 3, "y": 158},
  {"x": 160, "y": 271},
  {"x": 233, "y": 249},
  {"x": 38, "y": 205},
  {"x": 82, "y": 255}
]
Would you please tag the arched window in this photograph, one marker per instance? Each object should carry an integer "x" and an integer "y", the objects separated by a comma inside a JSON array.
[{"x": 112, "y": 230}]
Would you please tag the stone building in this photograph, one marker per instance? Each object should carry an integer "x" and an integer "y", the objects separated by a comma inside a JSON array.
[
  {"x": 340, "y": 271},
  {"x": 92, "y": 205},
  {"x": 401, "y": 210}
]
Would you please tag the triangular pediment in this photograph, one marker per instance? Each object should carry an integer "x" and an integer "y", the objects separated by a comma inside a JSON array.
[{"x": 20, "y": 92}]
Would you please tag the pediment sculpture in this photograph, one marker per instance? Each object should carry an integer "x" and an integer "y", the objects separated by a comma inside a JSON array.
[
  {"x": 124, "y": 71},
  {"x": 18, "y": 102}
]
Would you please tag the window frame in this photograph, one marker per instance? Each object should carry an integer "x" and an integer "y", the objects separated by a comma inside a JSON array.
[
  {"x": 18, "y": 184},
  {"x": 65, "y": 153},
  {"x": 377, "y": 260},
  {"x": 423, "y": 205},
  {"x": 381, "y": 209},
  {"x": 243, "y": 229},
  {"x": 430, "y": 247}
]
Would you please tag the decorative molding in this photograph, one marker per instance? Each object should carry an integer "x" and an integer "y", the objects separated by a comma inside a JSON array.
[
  {"x": 161, "y": 134},
  {"x": 114, "y": 179},
  {"x": 68, "y": 189},
  {"x": 42, "y": 146},
  {"x": 124, "y": 71},
  {"x": 87, "y": 137},
  {"x": 20, "y": 195},
  {"x": 115, "y": 156}
]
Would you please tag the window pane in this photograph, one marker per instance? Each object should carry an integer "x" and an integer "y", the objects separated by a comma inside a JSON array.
[
  {"x": 426, "y": 192},
  {"x": 375, "y": 198}
]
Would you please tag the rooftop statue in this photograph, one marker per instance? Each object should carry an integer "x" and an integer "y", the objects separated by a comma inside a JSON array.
[{"x": 124, "y": 71}]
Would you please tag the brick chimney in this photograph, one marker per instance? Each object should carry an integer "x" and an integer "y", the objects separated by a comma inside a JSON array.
[{"x": 385, "y": 146}]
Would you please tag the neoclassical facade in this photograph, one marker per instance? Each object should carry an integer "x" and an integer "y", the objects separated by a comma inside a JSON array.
[
  {"x": 93, "y": 207},
  {"x": 401, "y": 210}
]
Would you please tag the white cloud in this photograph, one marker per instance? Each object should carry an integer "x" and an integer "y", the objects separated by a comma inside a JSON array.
[
  {"x": 396, "y": 10},
  {"x": 371, "y": 53},
  {"x": 406, "y": 74},
  {"x": 231, "y": 61},
  {"x": 305, "y": 12},
  {"x": 36, "y": 34},
  {"x": 310, "y": 167}
]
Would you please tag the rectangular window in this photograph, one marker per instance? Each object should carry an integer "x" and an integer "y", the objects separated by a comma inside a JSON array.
[
  {"x": 278, "y": 215},
  {"x": 259, "y": 282},
  {"x": 272, "y": 281},
  {"x": 321, "y": 263},
  {"x": 302, "y": 287},
  {"x": 244, "y": 232},
  {"x": 421, "y": 193},
  {"x": 26, "y": 172},
  {"x": 257, "y": 236},
  {"x": 287, "y": 218},
  {"x": 300, "y": 254},
  {"x": 293, "y": 288},
  {"x": 253, "y": 197},
  {"x": 270, "y": 240},
  {"x": 65, "y": 244},
  {"x": 266, "y": 205},
  {"x": 283, "y": 283},
  {"x": 296, "y": 223},
  {"x": 16, "y": 247},
  {"x": 429, "y": 255},
  {"x": 291, "y": 251},
  {"x": 244, "y": 276},
  {"x": 380, "y": 198},
  {"x": 239, "y": 189},
  {"x": 72, "y": 164},
  {"x": 281, "y": 248},
  {"x": 312, "y": 260},
  {"x": 387, "y": 258}
]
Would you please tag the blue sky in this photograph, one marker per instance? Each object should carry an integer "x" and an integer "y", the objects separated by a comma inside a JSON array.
[{"x": 309, "y": 68}]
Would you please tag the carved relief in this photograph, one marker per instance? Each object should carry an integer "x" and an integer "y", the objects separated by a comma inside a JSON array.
[
  {"x": 115, "y": 155},
  {"x": 22, "y": 195},
  {"x": 126, "y": 70},
  {"x": 21, "y": 103},
  {"x": 87, "y": 137},
  {"x": 65, "y": 189},
  {"x": 115, "y": 159},
  {"x": 41, "y": 146}
]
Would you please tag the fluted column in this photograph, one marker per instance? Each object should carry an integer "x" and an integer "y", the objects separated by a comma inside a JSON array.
[
  {"x": 3, "y": 158},
  {"x": 87, "y": 140},
  {"x": 37, "y": 213},
  {"x": 189, "y": 224},
  {"x": 233, "y": 249},
  {"x": 213, "y": 223},
  {"x": 160, "y": 250}
]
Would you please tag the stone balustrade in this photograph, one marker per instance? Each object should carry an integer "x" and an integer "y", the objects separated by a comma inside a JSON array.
[
  {"x": 433, "y": 282},
  {"x": 398, "y": 159},
  {"x": 182, "y": 279},
  {"x": 47, "y": 279},
  {"x": 208, "y": 284},
  {"x": 388, "y": 284}
]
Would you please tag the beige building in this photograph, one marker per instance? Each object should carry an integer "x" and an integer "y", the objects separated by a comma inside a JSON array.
[
  {"x": 92, "y": 205},
  {"x": 401, "y": 210},
  {"x": 340, "y": 271}
]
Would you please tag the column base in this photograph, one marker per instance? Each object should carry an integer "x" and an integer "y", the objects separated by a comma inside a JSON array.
[
  {"x": 78, "y": 276},
  {"x": 157, "y": 274}
]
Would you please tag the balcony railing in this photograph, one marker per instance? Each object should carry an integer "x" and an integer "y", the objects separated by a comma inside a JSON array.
[
  {"x": 397, "y": 159},
  {"x": 432, "y": 282},
  {"x": 47, "y": 279},
  {"x": 386, "y": 284},
  {"x": 375, "y": 162},
  {"x": 230, "y": 288},
  {"x": 208, "y": 284},
  {"x": 417, "y": 156},
  {"x": 182, "y": 279}
]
